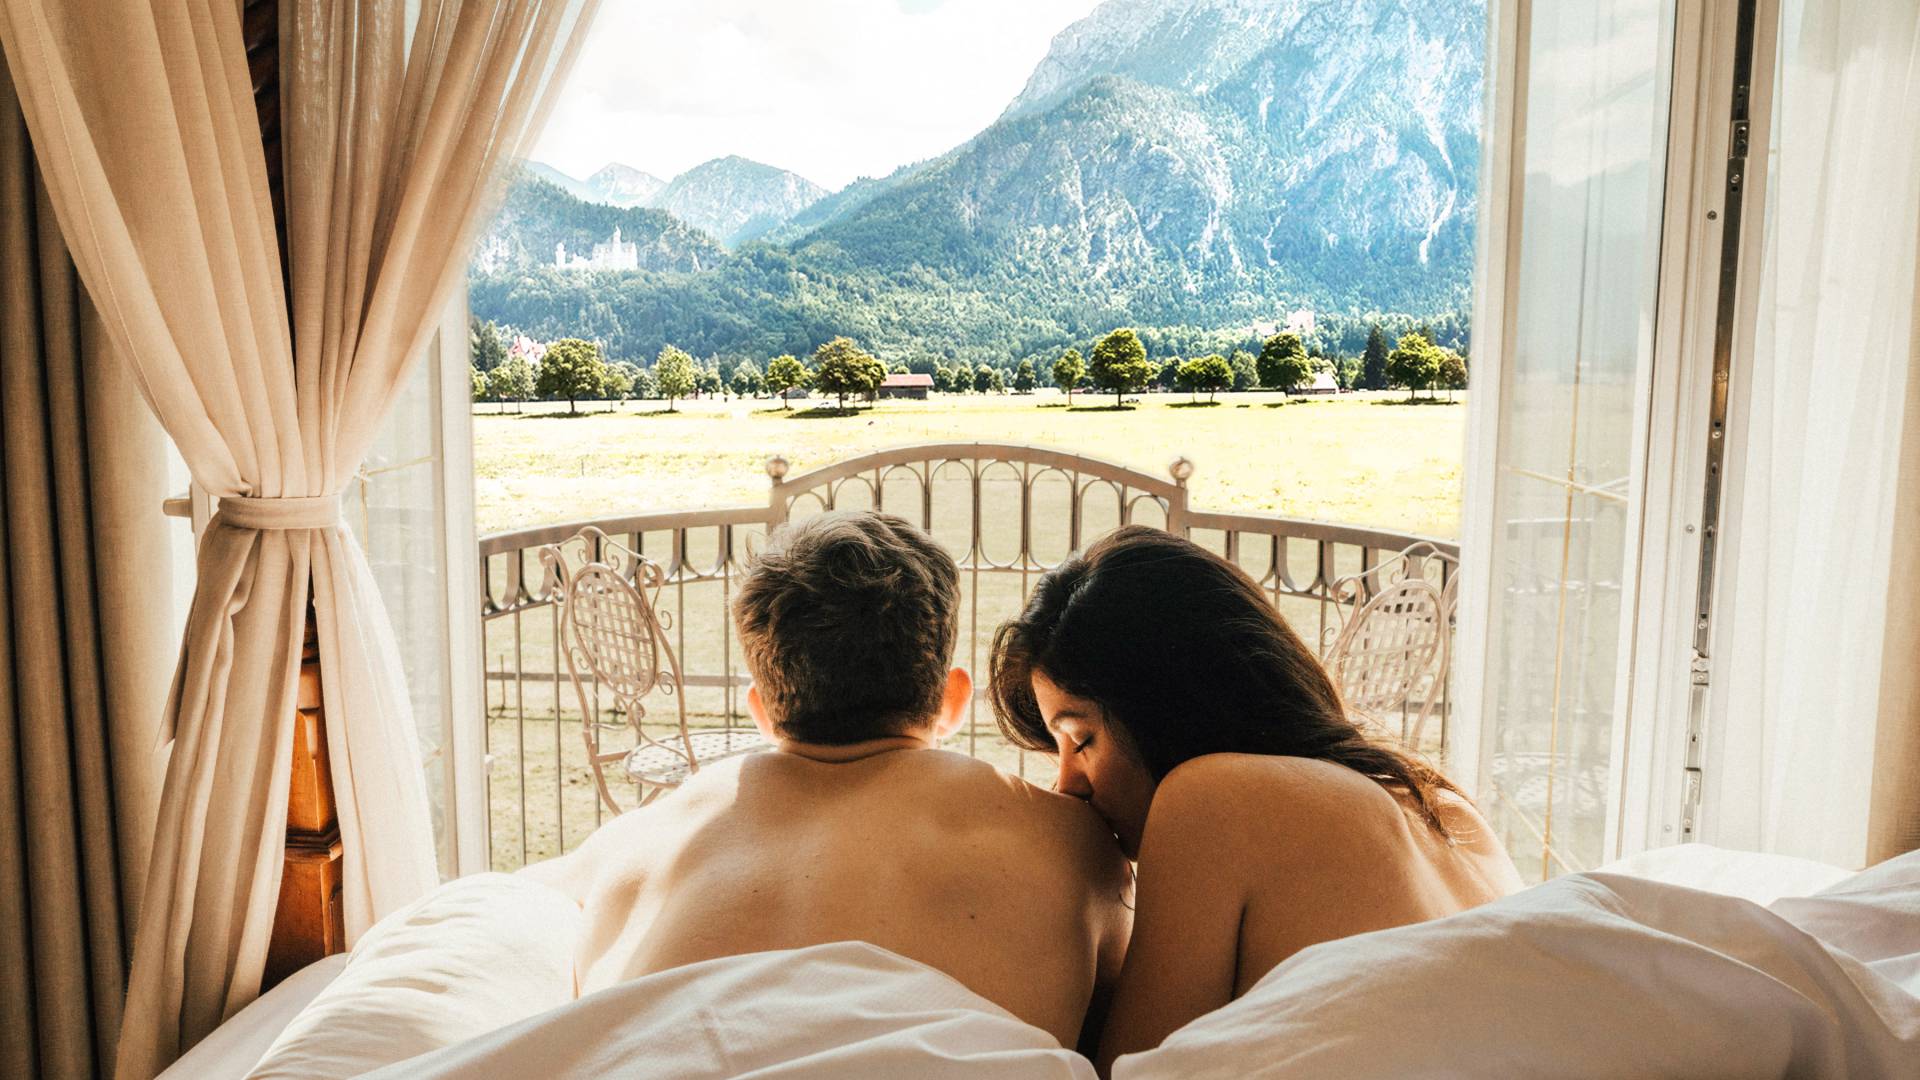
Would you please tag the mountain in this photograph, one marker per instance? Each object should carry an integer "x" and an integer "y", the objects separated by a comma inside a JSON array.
[
  {"x": 1183, "y": 46},
  {"x": 1308, "y": 170},
  {"x": 572, "y": 186},
  {"x": 615, "y": 184},
  {"x": 735, "y": 199},
  {"x": 537, "y": 214},
  {"x": 1190, "y": 167},
  {"x": 623, "y": 185}
]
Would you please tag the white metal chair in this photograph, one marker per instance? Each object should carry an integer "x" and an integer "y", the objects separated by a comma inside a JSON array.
[
  {"x": 1390, "y": 654},
  {"x": 612, "y": 634}
]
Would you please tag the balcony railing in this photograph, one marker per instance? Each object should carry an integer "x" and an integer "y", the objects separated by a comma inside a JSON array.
[{"x": 1008, "y": 513}]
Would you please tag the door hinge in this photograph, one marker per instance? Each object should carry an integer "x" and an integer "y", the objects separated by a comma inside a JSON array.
[{"x": 1702, "y": 668}]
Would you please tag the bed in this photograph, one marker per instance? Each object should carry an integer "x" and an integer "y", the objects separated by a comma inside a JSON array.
[{"x": 1689, "y": 961}]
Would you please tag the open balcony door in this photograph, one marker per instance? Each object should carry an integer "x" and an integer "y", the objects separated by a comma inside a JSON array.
[
  {"x": 412, "y": 510},
  {"x": 1695, "y": 447},
  {"x": 1606, "y": 232}
]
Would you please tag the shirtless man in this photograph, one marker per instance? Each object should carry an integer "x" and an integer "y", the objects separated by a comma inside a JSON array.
[{"x": 854, "y": 826}]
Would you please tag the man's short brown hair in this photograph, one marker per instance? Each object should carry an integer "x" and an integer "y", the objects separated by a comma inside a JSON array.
[{"x": 848, "y": 621}]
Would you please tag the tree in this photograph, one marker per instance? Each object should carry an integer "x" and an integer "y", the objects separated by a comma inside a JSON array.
[
  {"x": 571, "y": 369},
  {"x": 707, "y": 379},
  {"x": 643, "y": 384},
  {"x": 1210, "y": 373},
  {"x": 983, "y": 378},
  {"x": 485, "y": 346},
  {"x": 996, "y": 382},
  {"x": 1452, "y": 372},
  {"x": 617, "y": 380},
  {"x": 1246, "y": 373},
  {"x": 1068, "y": 371},
  {"x": 511, "y": 381},
  {"x": 783, "y": 374},
  {"x": 1169, "y": 377},
  {"x": 1373, "y": 363},
  {"x": 674, "y": 374},
  {"x": 1023, "y": 377},
  {"x": 898, "y": 368},
  {"x": 1283, "y": 364},
  {"x": 840, "y": 368},
  {"x": 479, "y": 383},
  {"x": 1348, "y": 372},
  {"x": 747, "y": 378},
  {"x": 962, "y": 377},
  {"x": 1120, "y": 364},
  {"x": 1414, "y": 363}
]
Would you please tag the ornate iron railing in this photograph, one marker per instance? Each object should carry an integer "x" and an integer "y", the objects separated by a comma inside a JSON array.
[{"x": 1008, "y": 513}]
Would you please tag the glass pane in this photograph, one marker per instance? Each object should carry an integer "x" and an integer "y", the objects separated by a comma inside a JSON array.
[
  {"x": 395, "y": 511},
  {"x": 1594, "y": 160}
]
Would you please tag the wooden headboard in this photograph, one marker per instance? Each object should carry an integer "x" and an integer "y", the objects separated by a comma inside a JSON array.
[{"x": 309, "y": 923}]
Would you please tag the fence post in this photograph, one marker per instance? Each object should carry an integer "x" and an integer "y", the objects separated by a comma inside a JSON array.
[
  {"x": 777, "y": 467},
  {"x": 1180, "y": 469}
]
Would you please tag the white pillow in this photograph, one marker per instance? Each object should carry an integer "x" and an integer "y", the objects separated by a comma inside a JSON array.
[
  {"x": 236, "y": 1046},
  {"x": 1749, "y": 875},
  {"x": 476, "y": 954}
]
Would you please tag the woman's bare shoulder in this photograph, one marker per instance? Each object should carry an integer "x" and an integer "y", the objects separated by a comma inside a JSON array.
[
  {"x": 1267, "y": 803},
  {"x": 1304, "y": 785}
]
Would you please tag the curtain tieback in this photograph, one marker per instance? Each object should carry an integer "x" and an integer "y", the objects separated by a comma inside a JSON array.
[{"x": 297, "y": 512}]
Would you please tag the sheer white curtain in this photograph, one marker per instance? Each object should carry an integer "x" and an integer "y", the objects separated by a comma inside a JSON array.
[
  {"x": 1814, "y": 566},
  {"x": 398, "y": 117}
]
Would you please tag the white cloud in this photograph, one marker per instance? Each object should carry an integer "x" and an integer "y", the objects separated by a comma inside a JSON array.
[{"x": 832, "y": 89}]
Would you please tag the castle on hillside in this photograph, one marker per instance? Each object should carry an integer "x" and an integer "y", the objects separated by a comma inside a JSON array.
[{"x": 615, "y": 254}]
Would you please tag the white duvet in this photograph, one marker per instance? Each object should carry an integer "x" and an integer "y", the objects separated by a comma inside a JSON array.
[
  {"x": 1589, "y": 975},
  {"x": 847, "y": 1010}
]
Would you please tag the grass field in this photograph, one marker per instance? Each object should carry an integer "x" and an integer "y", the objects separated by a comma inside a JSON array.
[
  {"x": 1358, "y": 460},
  {"x": 1363, "y": 460}
]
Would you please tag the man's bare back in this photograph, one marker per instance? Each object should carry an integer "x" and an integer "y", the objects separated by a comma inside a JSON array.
[{"x": 1018, "y": 893}]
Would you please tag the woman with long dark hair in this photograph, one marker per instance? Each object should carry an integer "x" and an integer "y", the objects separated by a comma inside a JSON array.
[{"x": 1209, "y": 737}]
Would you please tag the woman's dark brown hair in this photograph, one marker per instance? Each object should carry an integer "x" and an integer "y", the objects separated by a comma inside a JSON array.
[{"x": 1185, "y": 656}]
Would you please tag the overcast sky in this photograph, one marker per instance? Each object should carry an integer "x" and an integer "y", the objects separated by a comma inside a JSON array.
[{"x": 832, "y": 89}]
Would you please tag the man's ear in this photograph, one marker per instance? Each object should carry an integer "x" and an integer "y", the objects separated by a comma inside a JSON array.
[
  {"x": 953, "y": 704},
  {"x": 757, "y": 708}
]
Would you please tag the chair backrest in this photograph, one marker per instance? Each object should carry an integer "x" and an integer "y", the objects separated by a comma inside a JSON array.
[
  {"x": 612, "y": 634},
  {"x": 1389, "y": 645},
  {"x": 1391, "y": 653},
  {"x": 614, "y": 628}
]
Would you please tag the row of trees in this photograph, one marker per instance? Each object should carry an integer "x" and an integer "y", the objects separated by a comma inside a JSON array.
[
  {"x": 1120, "y": 366},
  {"x": 573, "y": 369}
]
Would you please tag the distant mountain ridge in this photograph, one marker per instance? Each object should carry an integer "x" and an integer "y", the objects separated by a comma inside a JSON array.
[
  {"x": 1188, "y": 47},
  {"x": 735, "y": 199},
  {"x": 624, "y": 185},
  {"x": 732, "y": 198}
]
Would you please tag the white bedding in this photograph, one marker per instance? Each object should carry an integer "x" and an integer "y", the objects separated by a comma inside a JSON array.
[
  {"x": 1599, "y": 974},
  {"x": 1593, "y": 975},
  {"x": 832, "y": 1012},
  {"x": 235, "y": 1047}
]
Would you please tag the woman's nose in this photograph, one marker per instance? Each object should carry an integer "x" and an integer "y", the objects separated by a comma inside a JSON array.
[{"x": 1072, "y": 780}]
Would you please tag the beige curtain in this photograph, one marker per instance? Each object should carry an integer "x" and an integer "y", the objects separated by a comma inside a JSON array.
[
  {"x": 85, "y": 644},
  {"x": 1809, "y": 667},
  {"x": 398, "y": 118}
]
